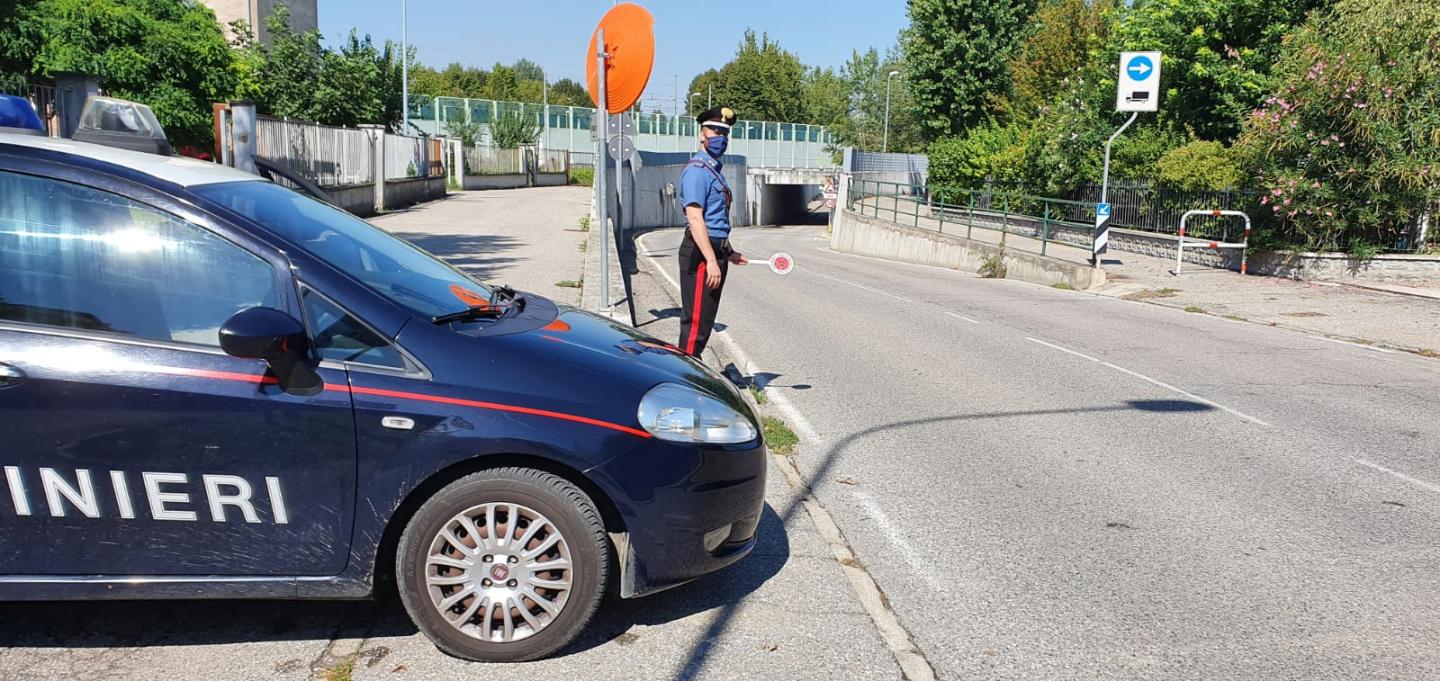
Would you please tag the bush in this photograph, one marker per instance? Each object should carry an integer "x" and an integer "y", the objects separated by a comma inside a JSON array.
[
  {"x": 1200, "y": 165},
  {"x": 511, "y": 130},
  {"x": 582, "y": 175},
  {"x": 1347, "y": 148},
  {"x": 990, "y": 151}
]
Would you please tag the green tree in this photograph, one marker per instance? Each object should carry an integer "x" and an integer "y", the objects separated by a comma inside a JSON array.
[
  {"x": 168, "y": 54},
  {"x": 867, "y": 76},
  {"x": 513, "y": 129},
  {"x": 1347, "y": 145},
  {"x": 762, "y": 82},
  {"x": 826, "y": 97},
  {"x": 502, "y": 84},
  {"x": 1218, "y": 56},
  {"x": 705, "y": 84},
  {"x": 1064, "y": 36},
  {"x": 957, "y": 53},
  {"x": 566, "y": 92}
]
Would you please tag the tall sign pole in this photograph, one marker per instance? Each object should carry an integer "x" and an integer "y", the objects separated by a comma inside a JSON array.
[
  {"x": 602, "y": 198},
  {"x": 623, "y": 56},
  {"x": 1137, "y": 90}
]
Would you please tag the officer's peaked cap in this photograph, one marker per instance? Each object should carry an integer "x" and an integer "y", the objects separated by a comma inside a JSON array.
[{"x": 718, "y": 117}]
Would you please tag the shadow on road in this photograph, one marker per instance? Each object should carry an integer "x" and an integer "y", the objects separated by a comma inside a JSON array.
[
  {"x": 479, "y": 255},
  {"x": 138, "y": 624}
]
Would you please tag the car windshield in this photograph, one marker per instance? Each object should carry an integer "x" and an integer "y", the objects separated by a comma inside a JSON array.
[{"x": 391, "y": 266}]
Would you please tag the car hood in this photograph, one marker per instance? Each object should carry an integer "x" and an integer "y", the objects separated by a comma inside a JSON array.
[{"x": 598, "y": 343}]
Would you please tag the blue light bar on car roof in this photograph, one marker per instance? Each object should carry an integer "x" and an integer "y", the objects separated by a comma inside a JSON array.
[{"x": 18, "y": 115}]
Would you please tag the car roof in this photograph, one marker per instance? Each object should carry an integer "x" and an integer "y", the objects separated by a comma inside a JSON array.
[{"x": 186, "y": 172}]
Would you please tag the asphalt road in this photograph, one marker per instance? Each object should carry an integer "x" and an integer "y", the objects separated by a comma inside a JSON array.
[{"x": 1051, "y": 484}]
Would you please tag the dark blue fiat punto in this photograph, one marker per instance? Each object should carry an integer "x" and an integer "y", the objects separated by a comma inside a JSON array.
[{"x": 212, "y": 386}]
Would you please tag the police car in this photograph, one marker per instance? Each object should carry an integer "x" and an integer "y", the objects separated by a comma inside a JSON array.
[{"x": 212, "y": 386}]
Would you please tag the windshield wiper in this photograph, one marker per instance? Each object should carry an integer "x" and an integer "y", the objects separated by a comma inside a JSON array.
[{"x": 471, "y": 313}]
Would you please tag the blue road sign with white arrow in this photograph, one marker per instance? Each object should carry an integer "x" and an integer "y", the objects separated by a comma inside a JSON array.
[{"x": 1140, "y": 68}]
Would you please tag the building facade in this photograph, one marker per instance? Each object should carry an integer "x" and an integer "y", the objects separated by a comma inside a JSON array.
[{"x": 304, "y": 14}]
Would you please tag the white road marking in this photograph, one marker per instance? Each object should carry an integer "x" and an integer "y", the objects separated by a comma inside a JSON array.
[
  {"x": 796, "y": 419},
  {"x": 1353, "y": 345},
  {"x": 851, "y": 283},
  {"x": 1162, "y": 384},
  {"x": 1414, "y": 481},
  {"x": 897, "y": 539},
  {"x": 961, "y": 316}
]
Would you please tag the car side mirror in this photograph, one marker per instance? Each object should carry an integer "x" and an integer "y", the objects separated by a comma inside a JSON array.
[{"x": 279, "y": 339}]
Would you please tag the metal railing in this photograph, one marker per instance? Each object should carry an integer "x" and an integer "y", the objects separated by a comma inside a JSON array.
[
  {"x": 327, "y": 155},
  {"x": 960, "y": 212}
]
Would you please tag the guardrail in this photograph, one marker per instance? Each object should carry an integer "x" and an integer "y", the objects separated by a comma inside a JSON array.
[{"x": 1048, "y": 221}]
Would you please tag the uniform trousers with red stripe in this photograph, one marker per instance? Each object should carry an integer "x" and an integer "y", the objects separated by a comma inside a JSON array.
[{"x": 699, "y": 303}]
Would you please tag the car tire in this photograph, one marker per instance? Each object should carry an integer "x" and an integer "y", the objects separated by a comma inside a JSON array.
[{"x": 533, "y": 558}]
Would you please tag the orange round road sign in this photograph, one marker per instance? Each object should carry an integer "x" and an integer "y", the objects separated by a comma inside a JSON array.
[{"x": 630, "y": 42}]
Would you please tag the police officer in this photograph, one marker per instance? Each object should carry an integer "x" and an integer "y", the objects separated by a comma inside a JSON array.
[{"x": 705, "y": 253}]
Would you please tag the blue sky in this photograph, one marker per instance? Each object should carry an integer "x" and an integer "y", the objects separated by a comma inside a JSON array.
[{"x": 689, "y": 36}]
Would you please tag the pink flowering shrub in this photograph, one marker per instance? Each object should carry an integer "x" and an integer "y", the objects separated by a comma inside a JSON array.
[{"x": 1346, "y": 150}]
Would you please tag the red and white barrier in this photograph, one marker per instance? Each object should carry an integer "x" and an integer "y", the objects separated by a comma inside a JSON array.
[{"x": 1214, "y": 245}]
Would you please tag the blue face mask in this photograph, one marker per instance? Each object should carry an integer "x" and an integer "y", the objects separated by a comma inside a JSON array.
[{"x": 717, "y": 145}]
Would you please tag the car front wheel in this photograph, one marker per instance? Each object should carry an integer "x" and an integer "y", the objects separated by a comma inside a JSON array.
[{"x": 504, "y": 565}]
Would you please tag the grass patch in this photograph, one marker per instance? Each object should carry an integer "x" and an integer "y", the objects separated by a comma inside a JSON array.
[
  {"x": 342, "y": 671},
  {"x": 758, "y": 393},
  {"x": 1153, "y": 293},
  {"x": 778, "y": 436},
  {"x": 584, "y": 223},
  {"x": 570, "y": 283},
  {"x": 1428, "y": 353},
  {"x": 1234, "y": 318},
  {"x": 1192, "y": 308},
  {"x": 584, "y": 245},
  {"x": 582, "y": 176},
  {"x": 1062, "y": 286}
]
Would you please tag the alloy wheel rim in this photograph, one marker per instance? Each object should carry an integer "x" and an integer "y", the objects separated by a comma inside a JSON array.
[{"x": 499, "y": 572}]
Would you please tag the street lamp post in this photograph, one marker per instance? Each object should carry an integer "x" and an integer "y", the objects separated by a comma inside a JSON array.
[
  {"x": 690, "y": 110},
  {"x": 885, "y": 145},
  {"x": 405, "y": 68}
]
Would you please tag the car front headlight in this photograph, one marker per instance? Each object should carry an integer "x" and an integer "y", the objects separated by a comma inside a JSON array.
[{"x": 682, "y": 414}]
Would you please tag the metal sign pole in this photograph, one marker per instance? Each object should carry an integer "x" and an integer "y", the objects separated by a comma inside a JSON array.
[
  {"x": 1105, "y": 176},
  {"x": 1101, "y": 241},
  {"x": 602, "y": 198}
]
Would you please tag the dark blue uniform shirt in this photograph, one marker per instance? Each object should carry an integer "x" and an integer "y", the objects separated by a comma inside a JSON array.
[{"x": 700, "y": 187}]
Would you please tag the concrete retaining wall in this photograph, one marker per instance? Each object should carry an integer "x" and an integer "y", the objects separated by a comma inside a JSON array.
[
  {"x": 862, "y": 235},
  {"x": 514, "y": 181},
  {"x": 1407, "y": 270},
  {"x": 359, "y": 199},
  {"x": 408, "y": 192}
]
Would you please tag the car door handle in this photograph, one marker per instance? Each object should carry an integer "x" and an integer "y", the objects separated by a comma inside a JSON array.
[{"x": 10, "y": 376}]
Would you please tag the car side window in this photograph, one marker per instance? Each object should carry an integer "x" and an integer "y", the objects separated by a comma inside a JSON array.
[
  {"x": 76, "y": 257},
  {"x": 339, "y": 336}
]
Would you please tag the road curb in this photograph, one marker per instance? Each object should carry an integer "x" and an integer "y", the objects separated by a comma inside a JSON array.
[{"x": 898, "y": 640}]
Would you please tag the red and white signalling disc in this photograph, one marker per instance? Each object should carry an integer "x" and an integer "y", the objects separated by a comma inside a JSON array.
[{"x": 782, "y": 263}]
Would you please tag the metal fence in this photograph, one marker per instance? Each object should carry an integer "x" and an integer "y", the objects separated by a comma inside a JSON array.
[
  {"x": 42, "y": 97},
  {"x": 552, "y": 161},
  {"x": 480, "y": 160},
  {"x": 327, "y": 155},
  {"x": 1044, "y": 222},
  {"x": 410, "y": 157}
]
